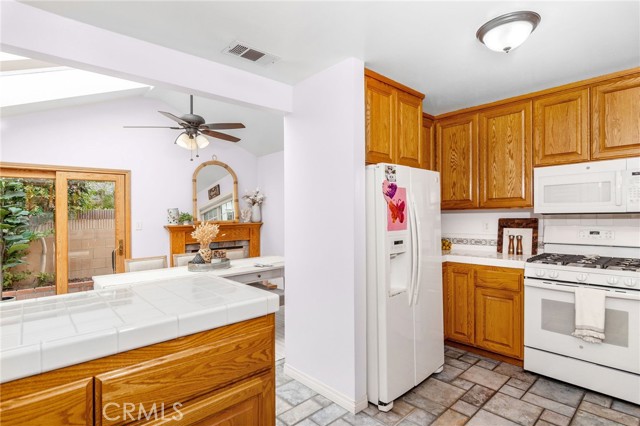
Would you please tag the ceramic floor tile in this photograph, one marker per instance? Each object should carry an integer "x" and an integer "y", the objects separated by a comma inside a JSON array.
[
  {"x": 389, "y": 418},
  {"x": 450, "y": 418},
  {"x": 420, "y": 417},
  {"x": 555, "y": 418},
  {"x": 448, "y": 373},
  {"x": 626, "y": 407},
  {"x": 328, "y": 414},
  {"x": 557, "y": 391},
  {"x": 517, "y": 383},
  {"x": 511, "y": 391},
  {"x": 456, "y": 363},
  {"x": 485, "y": 418},
  {"x": 294, "y": 392},
  {"x": 559, "y": 408},
  {"x": 513, "y": 409},
  {"x": 424, "y": 403},
  {"x": 440, "y": 392},
  {"x": 609, "y": 414},
  {"x": 515, "y": 372},
  {"x": 583, "y": 418},
  {"x": 478, "y": 395},
  {"x": 598, "y": 398},
  {"x": 299, "y": 412},
  {"x": 485, "y": 377},
  {"x": 489, "y": 365},
  {"x": 465, "y": 408}
]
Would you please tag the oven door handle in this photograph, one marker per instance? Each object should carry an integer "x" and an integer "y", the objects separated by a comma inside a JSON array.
[{"x": 569, "y": 288}]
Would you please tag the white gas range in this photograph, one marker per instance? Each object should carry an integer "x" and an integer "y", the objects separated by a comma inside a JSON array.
[{"x": 602, "y": 258}]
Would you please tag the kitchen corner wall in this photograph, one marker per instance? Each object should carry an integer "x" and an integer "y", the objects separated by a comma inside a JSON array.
[{"x": 325, "y": 234}]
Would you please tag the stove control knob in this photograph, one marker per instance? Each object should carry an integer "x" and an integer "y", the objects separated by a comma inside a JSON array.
[
  {"x": 581, "y": 277},
  {"x": 631, "y": 282},
  {"x": 612, "y": 280},
  {"x": 539, "y": 272},
  {"x": 553, "y": 274}
]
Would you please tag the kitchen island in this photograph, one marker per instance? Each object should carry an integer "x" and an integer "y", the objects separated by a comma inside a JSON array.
[{"x": 184, "y": 350}]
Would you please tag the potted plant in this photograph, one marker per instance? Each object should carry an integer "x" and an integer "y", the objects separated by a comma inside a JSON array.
[{"x": 185, "y": 218}]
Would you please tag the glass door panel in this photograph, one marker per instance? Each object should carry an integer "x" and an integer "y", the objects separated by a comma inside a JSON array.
[
  {"x": 93, "y": 228},
  {"x": 27, "y": 209}
]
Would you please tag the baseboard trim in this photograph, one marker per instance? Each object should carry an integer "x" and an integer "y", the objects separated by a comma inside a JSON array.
[{"x": 326, "y": 391}]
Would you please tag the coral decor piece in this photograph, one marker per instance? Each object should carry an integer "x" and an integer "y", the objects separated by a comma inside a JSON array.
[
  {"x": 205, "y": 233},
  {"x": 254, "y": 198}
]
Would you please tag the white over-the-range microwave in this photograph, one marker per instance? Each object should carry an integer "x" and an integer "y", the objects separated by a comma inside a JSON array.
[{"x": 611, "y": 186}]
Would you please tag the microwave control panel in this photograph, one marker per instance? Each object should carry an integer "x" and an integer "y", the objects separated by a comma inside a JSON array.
[{"x": 633, "y": 191}]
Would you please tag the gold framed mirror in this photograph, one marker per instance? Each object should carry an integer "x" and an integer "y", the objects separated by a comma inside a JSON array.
[{"x": 215, "y": 193}]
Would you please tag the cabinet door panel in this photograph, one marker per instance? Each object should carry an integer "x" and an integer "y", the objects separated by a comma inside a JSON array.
[
  {"x": 457, "y": 143},
  {"x": 561, "y": 128},
  {"x": 410, "y": 149},
  {"x": 615, "y": 119},
  {"x": 505, "y": 156},
  {"x": 381, "y": 118},
  {"x": 499, "y": 321},
  {"x": 428, "y": 144},
  {"x": 70, "y": 404},
  {"x": 459, "y": 301}
]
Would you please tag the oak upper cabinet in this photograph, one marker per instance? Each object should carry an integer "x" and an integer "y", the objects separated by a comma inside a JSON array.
[
  {"x": 561, "y": 128},
  {"x": 393, "y": 123},
  {"x": 381, "y": 121},
  {"x": 411, "y": 151},
  {"x": 615, "y": 118},
  {"x": 457, "y": 150},
  {"x": 499, "y": 310},
  {"x": 428, "y": 142},
  {"x": 506, "y": 156},
  {"x": 458, "y": 293}
]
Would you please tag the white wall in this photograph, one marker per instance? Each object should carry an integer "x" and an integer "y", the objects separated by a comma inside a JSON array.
[
  {"x": 271, "y": 181},
  {"x": 325, "y": 234},
  {"x": 92, "y": 136}
]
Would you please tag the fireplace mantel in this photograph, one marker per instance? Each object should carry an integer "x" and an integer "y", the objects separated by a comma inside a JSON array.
[{"x": 180, "y": 236}]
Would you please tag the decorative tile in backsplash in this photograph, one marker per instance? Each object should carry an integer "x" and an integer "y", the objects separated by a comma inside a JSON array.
[{"x": 472, "y": 241}]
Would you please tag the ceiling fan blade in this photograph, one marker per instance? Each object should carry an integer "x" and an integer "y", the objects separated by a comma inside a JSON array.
[
  {"x": 222, "y": 126},
  {"x": 174, "y": 118},
  {"x": 219, "y": 135},
  {"x": 152, "y": 127}
]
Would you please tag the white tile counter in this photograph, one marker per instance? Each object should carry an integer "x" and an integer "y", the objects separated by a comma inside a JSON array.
[
  {"x": 39, "y": 335},
  {"x": 487, "y": 258}
]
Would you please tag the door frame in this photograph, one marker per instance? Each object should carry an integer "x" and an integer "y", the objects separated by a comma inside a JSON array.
[{"x": 61, "y": 174}]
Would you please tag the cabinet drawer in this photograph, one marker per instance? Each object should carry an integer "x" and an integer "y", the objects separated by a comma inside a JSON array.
[
  {"x": 181, "y": 376},
  {"x": 251, "y": 402},
  {"x": 69, "y": 404},
  {"x": 257, "y": 276},
  {"x": 499, "y": 278}
]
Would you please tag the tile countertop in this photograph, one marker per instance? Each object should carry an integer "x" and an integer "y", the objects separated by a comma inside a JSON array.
[
  {"x": 44, "y": 334},
  {"x": 487, "y": 258}
]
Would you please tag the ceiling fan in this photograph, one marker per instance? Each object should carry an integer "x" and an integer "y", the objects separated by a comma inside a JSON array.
[{"x": 193, "y": 128}]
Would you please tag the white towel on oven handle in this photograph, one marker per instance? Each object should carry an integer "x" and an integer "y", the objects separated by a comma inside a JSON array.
[{"x": 590, "y": 313}]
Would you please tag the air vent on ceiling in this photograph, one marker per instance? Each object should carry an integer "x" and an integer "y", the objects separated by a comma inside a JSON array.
[{"x": 247, "y": 52}]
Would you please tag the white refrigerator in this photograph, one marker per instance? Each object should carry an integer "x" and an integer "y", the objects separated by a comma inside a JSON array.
[{"x": 405, "y": 340}]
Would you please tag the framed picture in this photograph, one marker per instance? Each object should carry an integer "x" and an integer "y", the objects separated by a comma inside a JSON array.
[{"x": 214, "y": 191}]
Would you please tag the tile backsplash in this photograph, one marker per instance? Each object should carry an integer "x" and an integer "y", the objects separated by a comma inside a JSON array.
[{"x": 478, "y": 230}]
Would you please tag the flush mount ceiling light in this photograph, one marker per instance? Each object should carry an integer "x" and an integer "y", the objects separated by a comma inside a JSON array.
[{"x": 506, "y": 32}]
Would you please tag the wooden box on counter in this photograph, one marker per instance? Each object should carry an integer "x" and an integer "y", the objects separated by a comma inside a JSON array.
[{"x": 180, "y": 236}]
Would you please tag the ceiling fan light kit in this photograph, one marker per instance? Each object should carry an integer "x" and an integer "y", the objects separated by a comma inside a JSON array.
[
  {"x": 507, "y": 32},
  {"x": 194, "y": 129}
]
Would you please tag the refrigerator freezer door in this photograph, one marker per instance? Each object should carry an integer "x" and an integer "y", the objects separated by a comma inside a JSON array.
[{"x": 428, "y": 319}]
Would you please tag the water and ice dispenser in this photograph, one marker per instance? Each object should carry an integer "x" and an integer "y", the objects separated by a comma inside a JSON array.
[{"x": 399, "y": 252}]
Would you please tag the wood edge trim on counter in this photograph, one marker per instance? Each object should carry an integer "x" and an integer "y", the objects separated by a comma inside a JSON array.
[
  {"x": 387, "y": 80},
  {"x": 484, "y": 353},
  {"x": 72, "y": 373},
  {"x": 587, "y": 83}
]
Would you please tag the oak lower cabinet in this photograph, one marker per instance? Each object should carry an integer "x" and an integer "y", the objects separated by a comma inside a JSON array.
[
  {"x": 615, "y": 118},
  {"x": 457, "y": 147},
  {"x": 484, "y": 308},
  {"x": 506, "y": 156},
  {"x": 224, "y": 376},
  {"x": 393, "y": 123}
]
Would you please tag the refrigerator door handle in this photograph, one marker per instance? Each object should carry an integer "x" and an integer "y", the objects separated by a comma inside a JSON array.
[
  {"x": 416, "y": 291},
  {"x": 414, "y": 250}
]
